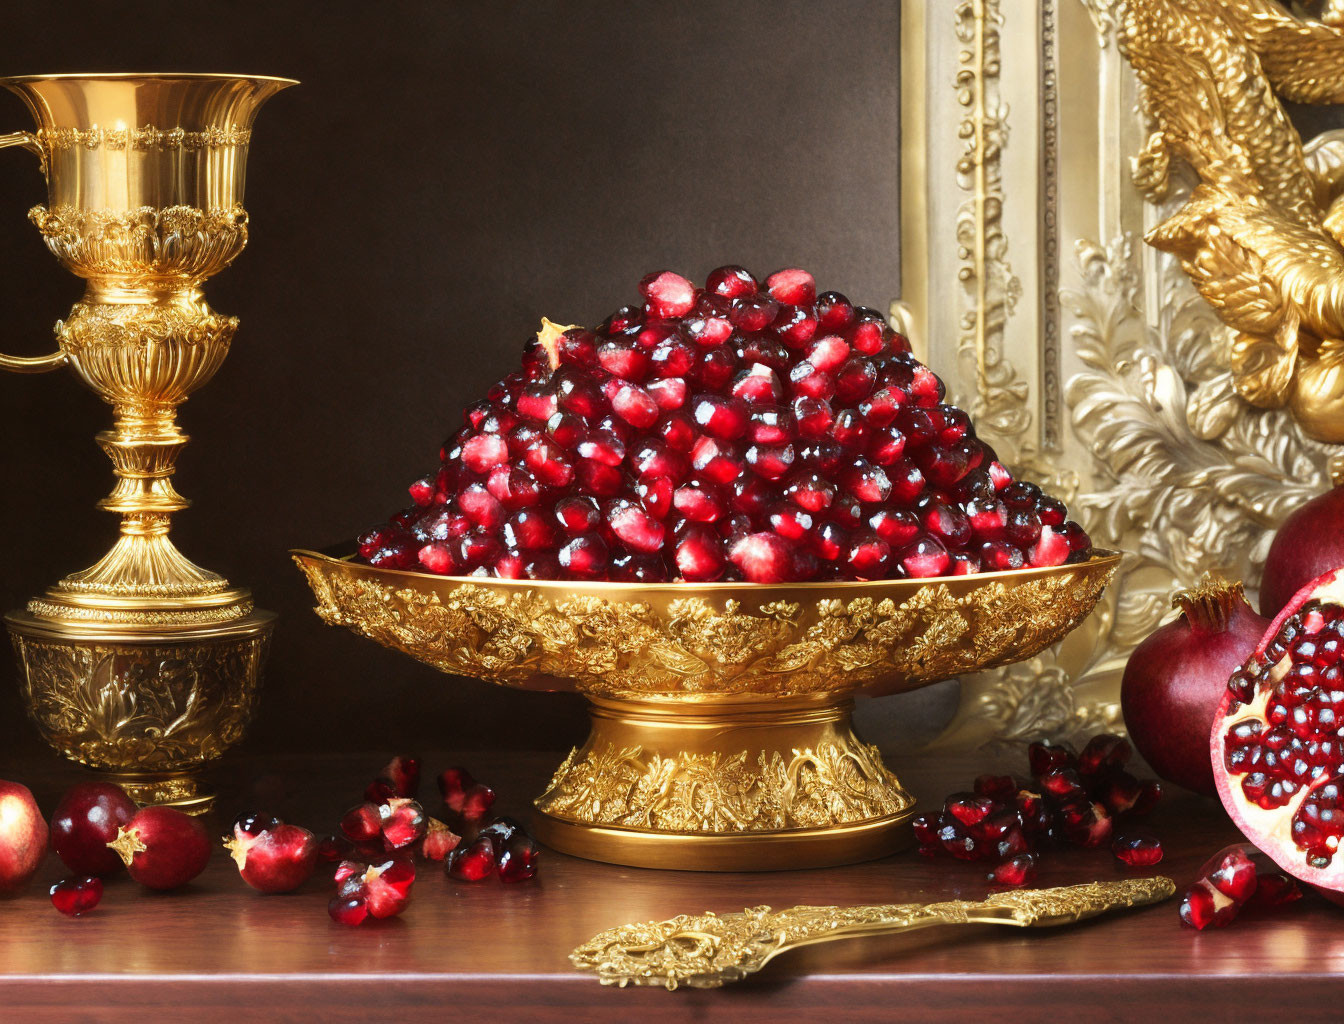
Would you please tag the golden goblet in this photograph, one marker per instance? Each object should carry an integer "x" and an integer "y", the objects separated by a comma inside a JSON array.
[
  {"x": 145, "y": 665},
  {"x": 721, "y": 736}
]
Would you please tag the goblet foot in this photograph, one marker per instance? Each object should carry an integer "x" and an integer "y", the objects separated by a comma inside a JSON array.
[
  {"x": 727, "y": 785},
  {"x": 182, "y": 789}
]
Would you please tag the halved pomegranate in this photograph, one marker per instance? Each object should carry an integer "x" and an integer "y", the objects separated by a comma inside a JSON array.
[{"x": 1278, "y": 737}]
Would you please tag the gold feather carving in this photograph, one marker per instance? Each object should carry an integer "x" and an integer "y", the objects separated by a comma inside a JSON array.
[{"x": 1260, "y": 235}]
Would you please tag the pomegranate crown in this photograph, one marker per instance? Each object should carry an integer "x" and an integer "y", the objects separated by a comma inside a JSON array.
[{"x": 1209, "y": 603}]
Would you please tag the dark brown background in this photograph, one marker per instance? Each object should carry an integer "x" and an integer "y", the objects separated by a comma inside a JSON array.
[{"x": 446, "y": 174}]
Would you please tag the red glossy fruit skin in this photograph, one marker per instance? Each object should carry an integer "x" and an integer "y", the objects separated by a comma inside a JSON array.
[
  {"x": 86, "y": 820},
  {"x": 280, "y": 859},
  {"x": 1173, "y": 685},
  {"x": 177, "y": 848},
  {"x": 23, "y": 836},
  {"x": 1288, "y": 858},
  {"x": 1307, "y": 544}
]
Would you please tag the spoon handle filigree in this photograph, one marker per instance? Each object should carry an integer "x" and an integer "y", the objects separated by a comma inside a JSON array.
[{"x": 708, "y": 950}]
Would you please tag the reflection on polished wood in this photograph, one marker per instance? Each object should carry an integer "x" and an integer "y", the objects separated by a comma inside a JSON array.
[{"x": 504, "y": 949}]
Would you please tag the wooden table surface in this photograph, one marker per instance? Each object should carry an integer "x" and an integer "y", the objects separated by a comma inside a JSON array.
[{"x": 499, "y": 952}]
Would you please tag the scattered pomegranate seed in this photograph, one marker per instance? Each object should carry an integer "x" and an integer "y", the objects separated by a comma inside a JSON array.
[
  {"x": 362, "y": 824},
  {"x": 75, "y": 897},
  {"x": 377, "y": 890},
  {"x": 721, "y": 406},
  {"x": 1138, "y": 851},
  {"x": 333, "y": 849},
  {"x": 518, "y": 862},
  {"x": 439, "y": 841},
  {"x": 1016, "y": 871},
  {"x": 400, "y": 777},
  {"x": 1073, "y": 798},
  {"x": 254, "y": 823},
  {"x": 474, "y": 861},
  {"x": 1235, "y": 878},
  {"x": 403, "y": 822},
  {"x": 1203, "y": 906}
]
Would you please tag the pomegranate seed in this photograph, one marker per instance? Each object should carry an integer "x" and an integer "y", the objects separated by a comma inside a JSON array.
[
  {"x": 362, "y": 824},
  {"x": 472, "y": 862},
  {"x": 333, "y": 849},
  {"x": 518, "y": 862},
  {"x": 667, "y": 294},
  {"x": 834, "y": 311},
  {"x": 75, "y": 897},
  {"x": 926, "y": 830},
  {"x": 751, "y": 313},
  {"x": 1042, "y": 757},
  {"x": 453, "y": 785},
  {"x": 378, "y": 891},
  {"x": 1234, "y": 875},
  {"x": 999, "y": 788},
  {"x": 1204, "y": 906},
  {"x": 403, "y": 822},
  {"x": 1016, "y": 871},
  {"x": 730, "y": 282},
  {"x": 925, "y": 557},
  {"x": 439, "y": 841},
  {"x": 699, "y": 554},
  {"x": 585, "y": 557},
  {"x": 968, "y": 808},
  {"x": 1138, "y": 851},
  {"x": 762, "y": 558},
  {"x": 869, "y": 557},
  {"x": 793, "y": 286},
  {"x": 636, "y": 529},
  {"x": 477, "y": 801}
]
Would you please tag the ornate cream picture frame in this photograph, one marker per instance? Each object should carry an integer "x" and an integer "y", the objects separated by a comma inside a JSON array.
[{"x": 1084, "y": 355}]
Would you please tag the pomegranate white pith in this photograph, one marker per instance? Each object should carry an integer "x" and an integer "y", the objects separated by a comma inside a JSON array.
[{"x": 1276, "y": 750}]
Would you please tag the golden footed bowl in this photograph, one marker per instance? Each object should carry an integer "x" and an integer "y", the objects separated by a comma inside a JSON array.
[{"x": 721, "y": 735}]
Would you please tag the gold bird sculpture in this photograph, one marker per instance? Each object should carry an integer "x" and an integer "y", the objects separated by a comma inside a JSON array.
[{"x": 1260, "y": 235}]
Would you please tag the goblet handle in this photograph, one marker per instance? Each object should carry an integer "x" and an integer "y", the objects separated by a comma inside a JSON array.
[{"x": 28, "y": 364}]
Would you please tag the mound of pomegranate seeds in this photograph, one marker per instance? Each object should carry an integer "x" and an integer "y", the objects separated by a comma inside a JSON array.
[
  {"x": 1072, "y": 798},
  {"x": 1235, "y": 878},
  {"x": 731, "y": 432}
]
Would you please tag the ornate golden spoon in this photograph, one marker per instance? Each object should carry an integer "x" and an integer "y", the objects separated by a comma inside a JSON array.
[{"x": 706, "y": 950}]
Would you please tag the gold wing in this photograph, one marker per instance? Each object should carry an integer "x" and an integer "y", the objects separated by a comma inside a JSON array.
[
  {"x": 1275, "y": 281},
  {"x": 1303, "y": 59},
  {"x": 1211, "y": 104}
]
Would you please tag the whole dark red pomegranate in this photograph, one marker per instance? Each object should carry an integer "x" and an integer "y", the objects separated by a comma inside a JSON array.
[
  {"x": 1175, "y": 680},
  {"x": 738, "y": 431},
  {"x": 1277, "y": 743},
  {"x": 1308, "y": 542},
  {"x": 86, "y": 820}
]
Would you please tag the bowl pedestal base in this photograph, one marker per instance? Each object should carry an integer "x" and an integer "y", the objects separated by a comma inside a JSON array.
[{"x": 706, "y": 785}]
